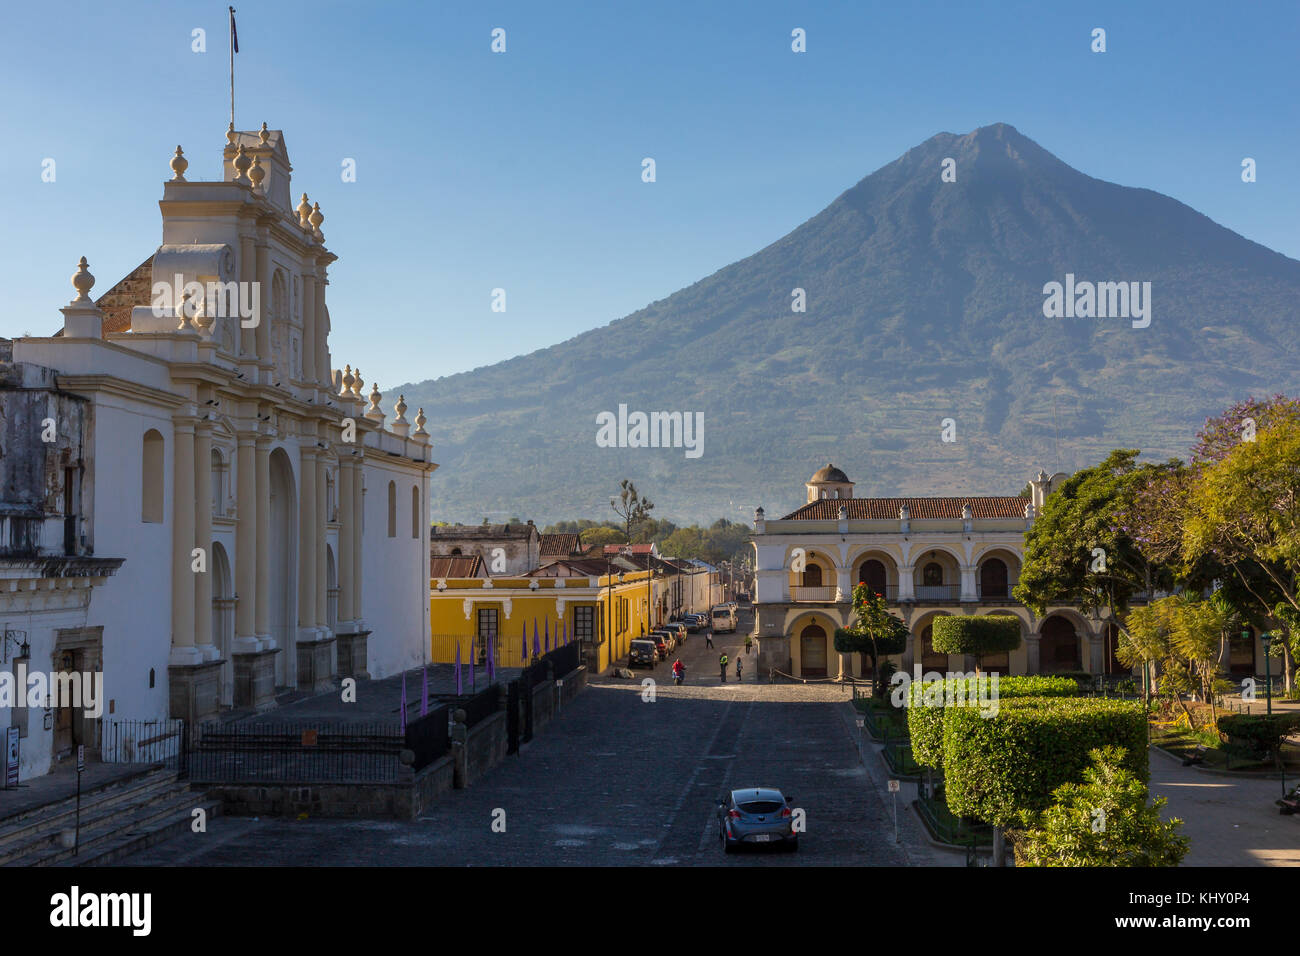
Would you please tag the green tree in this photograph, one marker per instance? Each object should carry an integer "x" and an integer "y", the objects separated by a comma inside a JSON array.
[
  {"x": 1103, "y": 821},
  {"x": 876, "y": 632},
  {"x": 602, "y": 535},
  {"x": 975, "y": 635},
  {"x": 1245, "y": 509},
  {"x": 632, "y": 506}
]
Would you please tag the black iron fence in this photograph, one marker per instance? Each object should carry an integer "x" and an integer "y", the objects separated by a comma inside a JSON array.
[
  {"x": 565, "y": 660},
  {"x": 295, "y": 753},
  {"x": 143, "y": 741},
  {"x": 481, "y": 706},
  {"x": 429, "y": 737}
]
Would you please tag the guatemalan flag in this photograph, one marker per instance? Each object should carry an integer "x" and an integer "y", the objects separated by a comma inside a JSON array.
[{"x": 234, "y": 34}]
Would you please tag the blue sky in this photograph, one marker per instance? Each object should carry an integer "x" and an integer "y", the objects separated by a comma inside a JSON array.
[{"x": 523, "y": 170}]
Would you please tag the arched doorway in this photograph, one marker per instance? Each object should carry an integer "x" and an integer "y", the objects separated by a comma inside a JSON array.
[
  {"x": 283, "y": 585},
  {"x": 872, "y": 573},
  {"x": 994, "y": 579},
  {"x": 331, "y": 591},
  {"x": 812, "y": 651},
  {"x": 1058, "y": 647},
  {"x": 931, "y": 660},
  {"x": 223, "y": 620},
  {"x": 812, "y": 576},
  {"x": 1000, "y": 663}
]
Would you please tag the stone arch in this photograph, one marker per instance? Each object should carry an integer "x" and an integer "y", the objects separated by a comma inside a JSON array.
[
  {"x": 223, "y": 619},
  {"x": 921, "y": 643},
  {"x": 283, "y": 584},
  {"x": 1060, "y": 644},
  {"x": 936, "y": 575},
  {"x": 876, "y": 567}
]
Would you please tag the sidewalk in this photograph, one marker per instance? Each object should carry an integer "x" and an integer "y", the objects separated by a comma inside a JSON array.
[
  {"x": 1230, "y": 820},
  {"x": 61, "y": 784}
]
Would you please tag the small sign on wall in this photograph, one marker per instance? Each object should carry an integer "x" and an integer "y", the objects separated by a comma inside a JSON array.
[{"x": 11, "y": 757}]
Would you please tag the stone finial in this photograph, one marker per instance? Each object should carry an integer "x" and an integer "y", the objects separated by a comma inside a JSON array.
[
  {"x": 399, "y": 424},
  {"x": 1029, "y": 509},
  {"x": 376, "y": 396},
  {"x": 179, "y": 164},
  {"x": 904, "y": 512},
  {"x": 183, "y": 313},
  {"x": 263, "y": 135},
  {"x": 83, "y": 282},
  {"x": 257, "y": 173},
  {"x": 203, "y": 321},
  {"x": 230, "y": 135},
  {"x": 316, "y": 218},
  {"x": 420, "y": 422},
  {"x": 347, "y": 382},
  {"x": 966, "y": 512},
  {"x": 241, "y": 163},
  {"x": 357, "y": 395},
  {"x": 303, "y": 211}
]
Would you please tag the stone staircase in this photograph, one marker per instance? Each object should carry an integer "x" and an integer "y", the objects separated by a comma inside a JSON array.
[{"x": 117, "y": 819}]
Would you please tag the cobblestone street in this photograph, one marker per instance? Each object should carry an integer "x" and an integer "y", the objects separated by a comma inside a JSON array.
[{"x": 615, "y": 779}]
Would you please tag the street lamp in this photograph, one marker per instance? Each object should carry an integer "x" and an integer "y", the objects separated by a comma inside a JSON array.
[{"x": 1266, "y": 639}]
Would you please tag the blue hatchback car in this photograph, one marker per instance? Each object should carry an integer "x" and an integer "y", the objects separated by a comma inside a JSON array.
[{"x": 756, "y": 815}]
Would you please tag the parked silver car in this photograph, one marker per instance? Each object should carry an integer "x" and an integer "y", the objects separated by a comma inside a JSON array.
[{"x": 756, "y": 815}]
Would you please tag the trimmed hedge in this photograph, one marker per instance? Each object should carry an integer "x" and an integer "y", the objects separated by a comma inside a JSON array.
[
  {"x": 975, "y": 634},
  {"x": 925, "y": 724},
  {"x": 996, "y": 767},
  {"x": 1260, "y": 733}
]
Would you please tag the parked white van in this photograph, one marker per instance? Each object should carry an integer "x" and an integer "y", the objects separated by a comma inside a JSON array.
[{"x": 724, "y": 619}]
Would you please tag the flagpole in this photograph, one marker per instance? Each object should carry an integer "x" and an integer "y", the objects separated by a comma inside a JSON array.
[{"x": 231, "y": 39}]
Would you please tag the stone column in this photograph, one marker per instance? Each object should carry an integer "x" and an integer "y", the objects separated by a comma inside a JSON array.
[
  {"x": 346, "y": 521},
  {"x": 309, "y": 327},
  {"x": 1033, "y": 663},
  {"x": 968, "y": 592},
  {"x": 322, "y": 329},
  {"x": 203, "y": 539},
  {"x": 246, "y": 577},
  {"x": 182, "y": 650},
  {"x": 262, "y": 612},
  {"x": 322, "y": 574},
  {"x": 307, "y": 545},
  {"x": 263, "y": 330},
  {"x": 843, "y": 581},
  {"x": 358, "y": 550},
  {"x": 906, "y": 583},
  {"x": 248, "y": 275}
]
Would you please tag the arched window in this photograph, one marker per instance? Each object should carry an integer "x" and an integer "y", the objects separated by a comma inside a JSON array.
[
  {"x": 415, "y": 511},
  {"x": 218, "y": 483},
  {"x": 932, "y": 575},
  {"x": 392, "y": 509},
  {"x": 812, "y": 576},
  {"x": 151, "y": 485},
  {"x": 456, "y": 551},
  {"x": 993, "y": 578},
  {"x": 872, "y": 574}
]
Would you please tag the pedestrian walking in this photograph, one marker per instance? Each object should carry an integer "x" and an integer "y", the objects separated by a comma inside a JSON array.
[
  {"x": 708, "y": 637},
  {"x": 722, "y": 665},
  {"x": 739, "y": 676}
]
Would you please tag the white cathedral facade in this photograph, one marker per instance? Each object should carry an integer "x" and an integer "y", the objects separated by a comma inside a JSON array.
[{"x": 222, "y": 514}]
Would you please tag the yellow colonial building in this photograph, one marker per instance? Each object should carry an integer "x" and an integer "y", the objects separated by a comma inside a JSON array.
[{"x": 515, "y": 615}]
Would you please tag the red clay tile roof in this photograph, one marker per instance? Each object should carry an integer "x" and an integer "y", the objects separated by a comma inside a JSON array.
[
  {"x": 456, "y": 566},
  {"x": 560, "y": 544},
  {"x": 861, "y": 509},
  {"x": 135, "y": 289},
  {"x": 633, "y": 548},
  {"x": 571, "y": 568}
]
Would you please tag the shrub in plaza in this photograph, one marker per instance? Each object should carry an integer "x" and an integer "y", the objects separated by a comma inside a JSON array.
[
  {"x": 976, "y": 635},
  {"x": 1260, "y": 733},
  {"x": 925, "y": 720},
  {"x": 1103, "y": 821},
  {"x": 996, "y": 767}
]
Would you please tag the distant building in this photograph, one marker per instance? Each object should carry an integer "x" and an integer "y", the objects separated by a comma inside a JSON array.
[
  {"x": 558, "y": 547},
  {"x": 505, "y": 548},
  {"x": 929, "y": 557}
]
